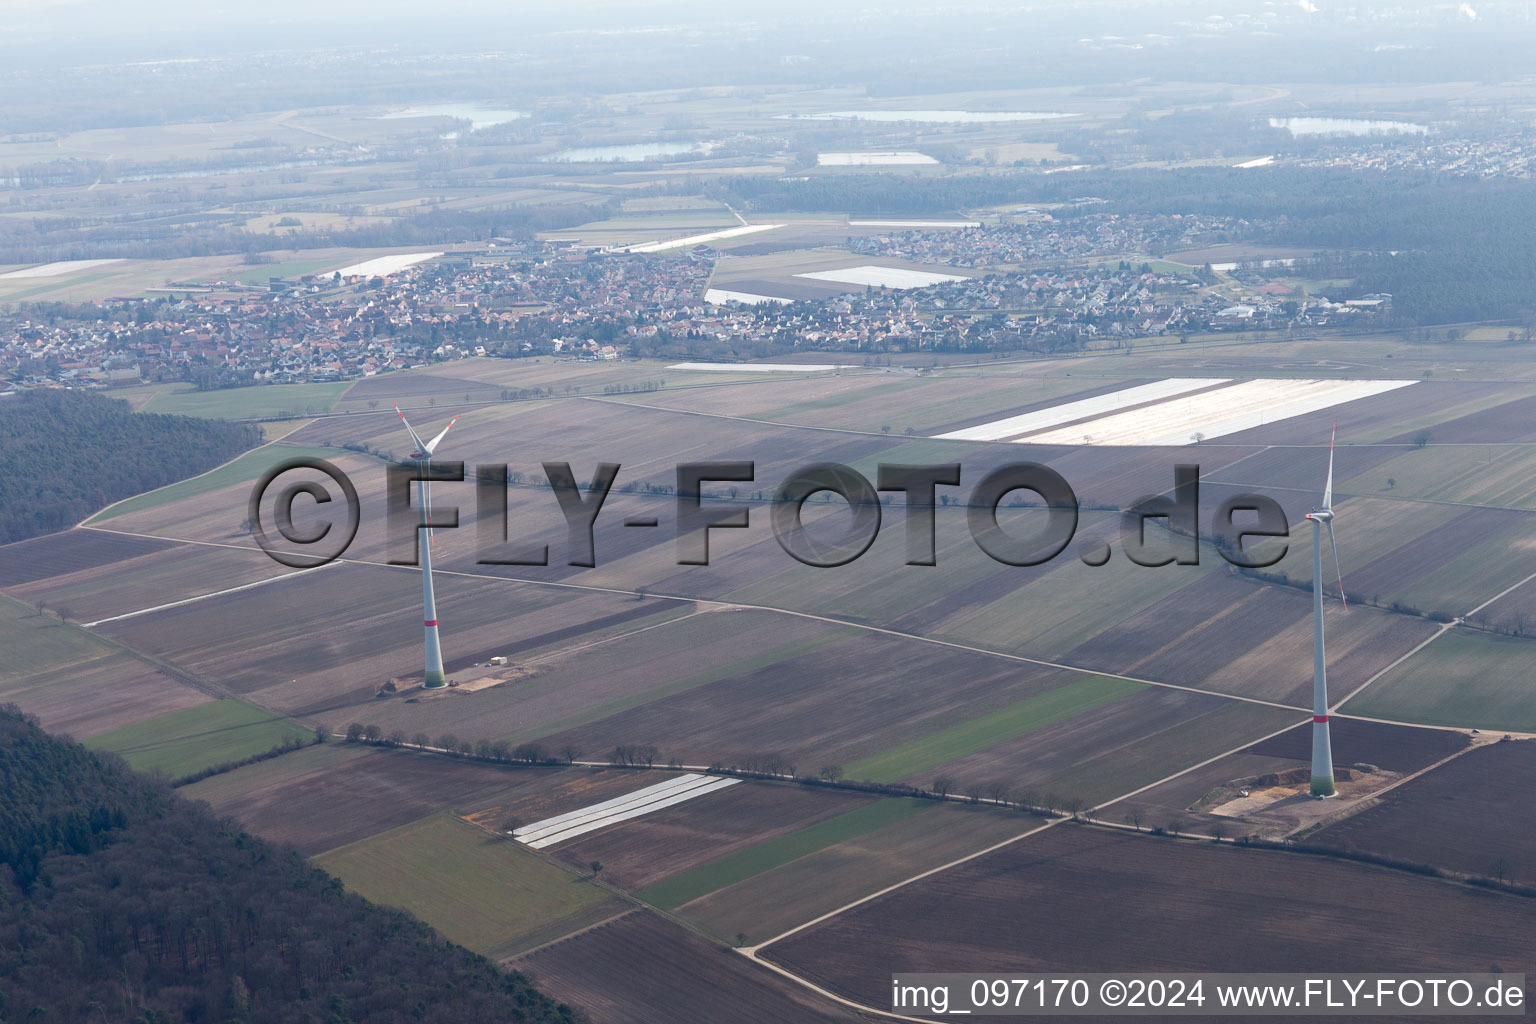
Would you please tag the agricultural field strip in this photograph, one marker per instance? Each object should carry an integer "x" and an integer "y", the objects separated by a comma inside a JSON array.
[
  {"x": 203, "y": 597},
  {"x": 588, "y": 819},
  {"x": 782, "y": 611},
  {"x": 751, "y": 952},
  {"x": 1025, "y": 423},
  {"x": 669, "y": 800},
  {"x": 1243, "y": 406},
  {"x": 763, "y": 367},
  {"x": 1445, "y": 627},
  {"x": 778, "y": 851}
]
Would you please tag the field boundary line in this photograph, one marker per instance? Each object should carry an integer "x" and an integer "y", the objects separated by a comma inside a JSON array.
[
  {"x": 831, "y": 620},
  {"x": 1442, "y": 631},
  {"x": 751, "y": 951},
  {"x": 265, "y": 444},
  {"x": 579, "y": 931},
  {"x": 724, "y": 604},
  {"x": 204, "y": 597}
]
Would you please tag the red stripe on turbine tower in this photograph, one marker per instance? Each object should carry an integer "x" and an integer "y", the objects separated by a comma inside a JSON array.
[
  {"x": 433, "y": 622},
  {"x": 1321, "y": 719}
]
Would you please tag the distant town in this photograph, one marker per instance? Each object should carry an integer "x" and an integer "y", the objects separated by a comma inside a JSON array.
[{"x": 1034, "y": 283}]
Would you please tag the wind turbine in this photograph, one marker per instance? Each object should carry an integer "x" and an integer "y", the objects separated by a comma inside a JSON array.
[
  {"x": 434, "y": 678},
  {"x": 1322, "y": 748}
]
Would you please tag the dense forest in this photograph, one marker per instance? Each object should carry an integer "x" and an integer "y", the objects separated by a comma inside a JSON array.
[
  {"x": 121, "y": 902},
  {"x": 66, "y": 454}
]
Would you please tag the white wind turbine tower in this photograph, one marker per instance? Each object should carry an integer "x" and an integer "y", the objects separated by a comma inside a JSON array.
[
  {"x": 1322, "y": 749},
  {"x": 434, "y": 678}
]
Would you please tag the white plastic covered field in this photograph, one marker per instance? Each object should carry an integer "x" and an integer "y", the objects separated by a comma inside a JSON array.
[
  {"x": 383, "y": 266},
  {"x": 708, "y": 236},
  {"x": 57, "y": 269},
  {"x": 571, "y": 824},
  {"x": 881, "y": 277},
  {"x": 1040, "y": 419},
  {"x": 1177, "y": 411}
]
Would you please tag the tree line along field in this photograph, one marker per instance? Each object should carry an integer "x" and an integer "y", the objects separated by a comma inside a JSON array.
[
  {"x": 1076, "y": 898},
  {"x": 331, "y": 795},
  {"x": 180, "y": 743},
  {"x": 716, "y": 859}
]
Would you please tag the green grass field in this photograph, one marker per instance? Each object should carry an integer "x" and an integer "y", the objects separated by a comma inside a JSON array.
[
  {"x": 770, "y": 903},
  {"x": 264, "y": 402},
  {"x": 247, "y": 467},
  {"x": 771, "y": 853},
  {"x": 1483, "y": 474},
  {"x": 187, "y": 741},
  {"x": 477, "y": 889},
  {"x": 1463, "y": 678},
  {"x": 34, "y": 643},
  {"x": 957, "y": 741}
]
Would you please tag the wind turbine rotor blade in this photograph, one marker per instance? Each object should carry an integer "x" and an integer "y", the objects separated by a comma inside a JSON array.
[
  {"x": 414, "y": 436},
  {"x": 432, "y": 444},
  {"x": 1337, "y": 570},
  {"x": 1328, "y": 488}
]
